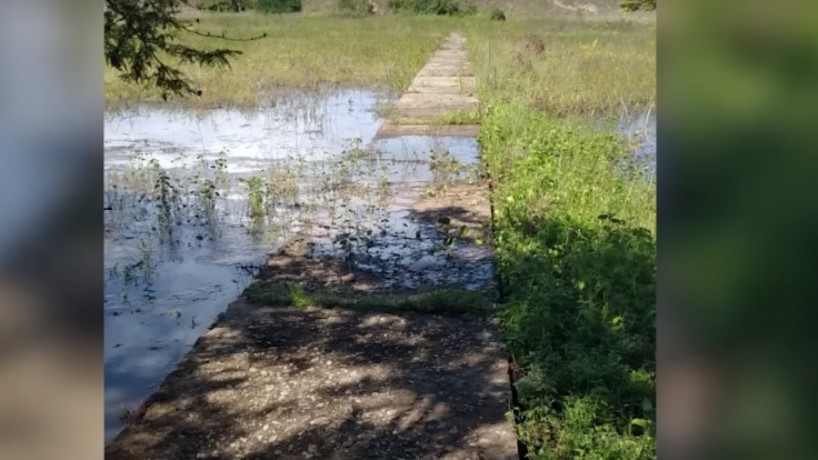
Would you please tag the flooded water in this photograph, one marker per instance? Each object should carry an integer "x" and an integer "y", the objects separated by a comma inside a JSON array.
[
  {"x": 639, "y": 129},
  {"x": 195, "y": 201}
]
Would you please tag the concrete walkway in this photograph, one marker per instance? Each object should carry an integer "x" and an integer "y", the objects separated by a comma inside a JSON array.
[{"x": 445, "y": 86}]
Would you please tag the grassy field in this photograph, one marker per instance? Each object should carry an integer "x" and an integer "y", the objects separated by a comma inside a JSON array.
[
  {"x": 574, "y": 231},
  {"x": 301, "y": 52}
]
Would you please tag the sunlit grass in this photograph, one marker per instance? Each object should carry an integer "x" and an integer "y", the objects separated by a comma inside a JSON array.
[
  {"x": 300, "y": 52},
  {"x": 585, "y": 68}
]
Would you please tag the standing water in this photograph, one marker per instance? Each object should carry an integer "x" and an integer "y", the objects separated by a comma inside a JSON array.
[
  {"x": 178, "y": 242},
  {"x": 195, "y": 200}
]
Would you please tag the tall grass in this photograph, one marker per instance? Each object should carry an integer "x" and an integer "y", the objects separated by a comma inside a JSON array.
[
  {"x": 565, "y": 66},
  {"x": 574, "y": 231},
  {"x": 299, "y": 52}
]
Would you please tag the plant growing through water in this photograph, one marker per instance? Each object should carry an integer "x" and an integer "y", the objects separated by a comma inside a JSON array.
[
  {"x": 256, "y": 200},
  {"x": 167, "y": 196}
]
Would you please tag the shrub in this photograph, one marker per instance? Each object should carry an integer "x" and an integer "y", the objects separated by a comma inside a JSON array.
[
  {"x": 225, "y": 5},
  {"x": 438, "y": 7},
  {"x": 278, "y": 6},
  {"x": 576, "y": 260},
  {"x": 497, "y": 15},
  {"x": 635, "y": 5}
]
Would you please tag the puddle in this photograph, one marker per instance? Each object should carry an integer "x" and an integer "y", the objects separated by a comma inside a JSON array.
[
  {"x": 195, "y": 201},
  {"x": 639, "y": 130}
]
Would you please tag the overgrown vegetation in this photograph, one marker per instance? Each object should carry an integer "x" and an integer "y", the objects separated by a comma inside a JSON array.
[
  {"x": 574, "y": 232},
  {"x": 636, "y": 5},
  {"x": 237, "y": 6},
  {"x": 437, "y": 7},
  {"x": 438, "y": 301},
  {"x": 300, "y": 52}
]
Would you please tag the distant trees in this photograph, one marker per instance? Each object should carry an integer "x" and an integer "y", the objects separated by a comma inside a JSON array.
[
  {"x": 635, "y": 5},
  {"x": 267, "y": 6}
]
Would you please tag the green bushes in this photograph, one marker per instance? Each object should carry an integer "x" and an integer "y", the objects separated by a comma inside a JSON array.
[
  {"x": 636, "y": 5},
  {"x": 278, "y": 6},
  {"x": 438, "y": 7},
  {"x": 265, "y": 6},
  {"x": 497, "y": 15},
  {"x": 576, "y": 258}
]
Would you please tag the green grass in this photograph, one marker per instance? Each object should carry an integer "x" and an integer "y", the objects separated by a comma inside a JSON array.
[
  {"x": 438, "y": 301},
  {"x": 574, "y": 234},
  {"x": 300, "y": 52},
  {"x": 584, "y": 68},
  {"x": 460, "y": 117}
]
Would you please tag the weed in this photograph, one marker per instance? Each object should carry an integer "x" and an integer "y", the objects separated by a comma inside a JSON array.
[
  {"x": 438, "y": 301},
  {"x": 256, "y": 198},
  {"x": 576, "y": 255},
  {"x": 573, "y": 233},
  {"x": 167, "y": 196},
  {"x": 460, "y": 117}
]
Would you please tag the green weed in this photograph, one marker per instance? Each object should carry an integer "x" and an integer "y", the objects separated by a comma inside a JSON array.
[
  {"x": 439, "y": 301},
  {"x": 576, "y": 254},
  {"x": 301, "y": 52},
  {"x": 574, "y": 233}
]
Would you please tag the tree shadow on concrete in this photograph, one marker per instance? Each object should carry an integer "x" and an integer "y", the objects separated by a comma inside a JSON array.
[{"x": 283, "y": 383}]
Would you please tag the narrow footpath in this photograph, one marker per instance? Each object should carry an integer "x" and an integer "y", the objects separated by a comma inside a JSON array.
[{"x": 444, "y": 87}]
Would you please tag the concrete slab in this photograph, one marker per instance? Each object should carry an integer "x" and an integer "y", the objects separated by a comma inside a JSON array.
[{"x": 445, "y": 85}]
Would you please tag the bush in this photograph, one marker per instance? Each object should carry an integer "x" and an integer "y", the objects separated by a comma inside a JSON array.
[
  {"x": 635, "y": 5},
  {"x": 576, "y": 261},
  {"x": 278, "y": 6},
  {"x": 438, "y": 7},
  {"x": 234, "y": 6},
  {"x": 354, "y": 7},
  {"x": 497, "y": 15}
]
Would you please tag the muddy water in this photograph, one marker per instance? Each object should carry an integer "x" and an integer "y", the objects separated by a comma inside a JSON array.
[{"x": 195, "y": 201}]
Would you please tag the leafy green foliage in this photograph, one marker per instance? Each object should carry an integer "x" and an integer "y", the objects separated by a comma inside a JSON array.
[
  {"x": 278, "y": 6},
  {"x": 636, "y": 5},
  {"x": 437, "y": 7},
  {"x": 234, "y": 6},
  {"x": 140, "y": 38},
  {"x": 437, "y": 301},
  {"x": 576, "y": 256},
  {"x": 497, "y": 15}
]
